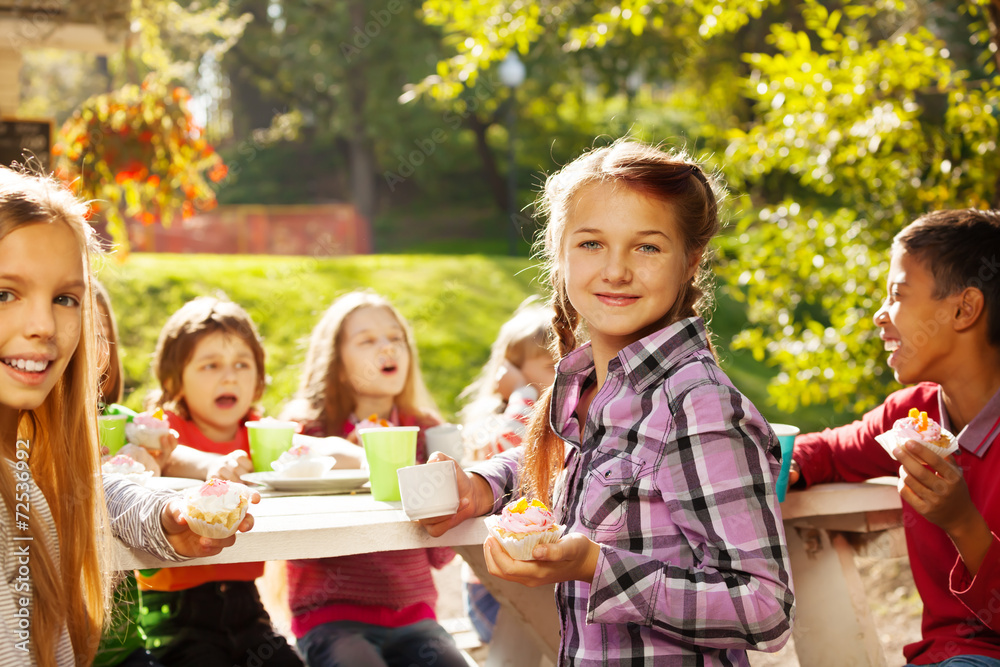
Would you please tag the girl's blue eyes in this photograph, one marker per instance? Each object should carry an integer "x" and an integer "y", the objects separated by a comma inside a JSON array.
[
  {"x": 5, "y": 297},
  {"x": 645, "y": 248}
]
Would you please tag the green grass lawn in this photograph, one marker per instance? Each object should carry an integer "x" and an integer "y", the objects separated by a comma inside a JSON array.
[{"x": 455, "y": 304}]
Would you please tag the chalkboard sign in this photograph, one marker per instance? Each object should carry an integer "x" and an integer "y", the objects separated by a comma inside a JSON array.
[{"x": 18, "y": 135}]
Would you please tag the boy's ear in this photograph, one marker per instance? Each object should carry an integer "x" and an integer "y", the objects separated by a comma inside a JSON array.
[{"x": 970, "y": 307}]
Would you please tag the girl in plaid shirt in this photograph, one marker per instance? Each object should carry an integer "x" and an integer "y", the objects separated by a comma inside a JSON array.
[{"x": 661, "y": 470}]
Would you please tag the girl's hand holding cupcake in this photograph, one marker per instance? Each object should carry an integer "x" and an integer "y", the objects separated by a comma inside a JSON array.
[
  {"x": 475, "y": 498},
  {"x": 572, "y": 557},
  {"x": 185, "y": 541}
]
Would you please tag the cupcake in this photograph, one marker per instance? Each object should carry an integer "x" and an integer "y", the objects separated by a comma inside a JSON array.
[
  {"x": 145, "y": 429},
  {"x": 216, "y": 508},
  {"x": 302, "y": 461},
  {"x": 373, "y": 422},
  {"x": 918, "y": 426},
  {"x": 127, "y": 467},
  {"x": 521, "y": 525}
]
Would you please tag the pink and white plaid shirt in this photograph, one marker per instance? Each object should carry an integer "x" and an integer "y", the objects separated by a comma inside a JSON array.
[{"x": 673, "y": 475}]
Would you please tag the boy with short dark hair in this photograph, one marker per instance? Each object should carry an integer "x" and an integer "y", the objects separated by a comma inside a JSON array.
[{"x": 941, "y": 324}]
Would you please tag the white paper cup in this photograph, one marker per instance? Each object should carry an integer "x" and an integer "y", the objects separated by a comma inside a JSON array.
[
  {"x": 428, "y": 490},
  {"x": 447, "y": 439}
]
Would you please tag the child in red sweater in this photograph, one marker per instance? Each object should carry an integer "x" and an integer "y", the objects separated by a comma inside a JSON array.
[
  {"x": 366, "y": 610},
  {"x": 209, "y": 361},
  {"x": 941, "y": 324}
]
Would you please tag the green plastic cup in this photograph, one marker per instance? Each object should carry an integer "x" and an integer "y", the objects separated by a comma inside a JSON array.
[
  {"x": 388, "y": 450},
  {"x": 269, "y": 439},
  {"x": 112, "y": 431}
]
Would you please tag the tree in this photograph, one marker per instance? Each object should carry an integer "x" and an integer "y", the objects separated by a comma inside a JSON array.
[
  {"x": 835, "y": 125},
  {"x": 341, "y": 66}
]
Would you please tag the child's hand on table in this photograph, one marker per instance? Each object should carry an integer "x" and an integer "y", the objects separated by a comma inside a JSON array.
[
  {"x": 573, "y": 557},
  {"x": 230, "y": 466},
  {"x": 186, "y": 542},
  {"x": 475, "y": 498}
]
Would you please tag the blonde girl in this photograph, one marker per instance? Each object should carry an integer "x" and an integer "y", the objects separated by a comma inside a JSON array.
[
  {"x": 54, "y": 523},
  {"x": 499, "y": 401},
  {"x": 661, "y": 470},
  {"x": 368, "y": 610},
  {"x": 48, "y": 388}
]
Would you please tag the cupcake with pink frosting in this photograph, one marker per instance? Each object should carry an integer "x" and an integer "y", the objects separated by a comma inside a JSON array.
[
  {"x": 918, "y": 426},
  {"x": 523, "y": 524},
  {"x": 127, "y": 467},
  {"x": 216, "y": 508},
  {"x": 146, "y": 429},
  {"x": 302, "y": 461}
]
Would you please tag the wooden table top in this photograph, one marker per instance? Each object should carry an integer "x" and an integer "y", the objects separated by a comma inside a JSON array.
[{"x": 305, "y": 526}]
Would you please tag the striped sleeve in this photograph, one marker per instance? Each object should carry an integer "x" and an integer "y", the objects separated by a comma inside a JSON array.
[{"x": 134, "y": 512}]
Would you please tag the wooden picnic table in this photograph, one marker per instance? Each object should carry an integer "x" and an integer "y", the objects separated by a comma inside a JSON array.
[
  {"x": 320, "y": 526},
  {"x": 824, "y": 525}
]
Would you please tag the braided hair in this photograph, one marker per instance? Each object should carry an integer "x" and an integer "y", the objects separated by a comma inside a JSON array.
[{"x": 672, "y": 177}]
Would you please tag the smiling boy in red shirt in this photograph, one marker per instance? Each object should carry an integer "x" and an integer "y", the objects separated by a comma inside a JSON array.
[{"x": 941, "y": 324}]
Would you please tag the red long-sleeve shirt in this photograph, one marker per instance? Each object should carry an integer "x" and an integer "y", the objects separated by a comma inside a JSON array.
[{"x": 961, "y": 612}]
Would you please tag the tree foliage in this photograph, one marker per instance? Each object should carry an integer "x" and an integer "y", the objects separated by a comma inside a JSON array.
[{"x": 835, "y": 123}]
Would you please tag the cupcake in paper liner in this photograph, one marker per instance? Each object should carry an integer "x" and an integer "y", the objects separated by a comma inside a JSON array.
[
  {"x": 145, "y": 429},
  {"x": 918, "y": 426},
  {"x": 127, "y": 467},
  {"x": 216, "y": 508},
  {"x": 302, "y": 461},
  {"x": 523, "y": 524}
]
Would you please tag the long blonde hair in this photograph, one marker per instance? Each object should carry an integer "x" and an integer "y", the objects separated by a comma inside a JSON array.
[
  {"x": 325, "y": 395},
  {"x": 668, "y": 176},
  {"x": 64, "y": 455}
]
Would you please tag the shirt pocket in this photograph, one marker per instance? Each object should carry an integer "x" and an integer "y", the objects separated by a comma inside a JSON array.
[{"x": 610, "y": 484}]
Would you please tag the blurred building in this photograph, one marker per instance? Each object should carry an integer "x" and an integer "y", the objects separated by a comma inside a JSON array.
[
  {"x": 319, "y": 230},
  {"x": 95, "y": 26}
]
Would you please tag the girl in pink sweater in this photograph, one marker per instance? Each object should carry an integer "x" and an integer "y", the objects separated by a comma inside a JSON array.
[{"x": 372, "y": 609}]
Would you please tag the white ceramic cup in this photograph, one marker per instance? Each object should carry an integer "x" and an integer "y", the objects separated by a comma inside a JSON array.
[
  {"x": 428, "y": 490},
  {"x": 447, "y": 439}
]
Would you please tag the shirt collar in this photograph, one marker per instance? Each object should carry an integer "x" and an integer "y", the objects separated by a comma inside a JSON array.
[
  {"x": 978, "y": 434},
  {"x": 644, "y": 363}
]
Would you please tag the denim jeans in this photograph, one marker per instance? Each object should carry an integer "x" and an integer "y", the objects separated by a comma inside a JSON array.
[
  {"x": 353, "y": 644},
  {"x": 965, "y": 661}
]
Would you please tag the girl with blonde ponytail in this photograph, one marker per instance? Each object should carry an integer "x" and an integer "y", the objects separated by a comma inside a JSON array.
[{"x": 661, "y": 470}]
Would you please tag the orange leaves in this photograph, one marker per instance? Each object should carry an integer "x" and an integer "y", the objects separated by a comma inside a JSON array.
[
  {"x": 138, "y": 152},
  {"x": 218, "y": 172}
]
